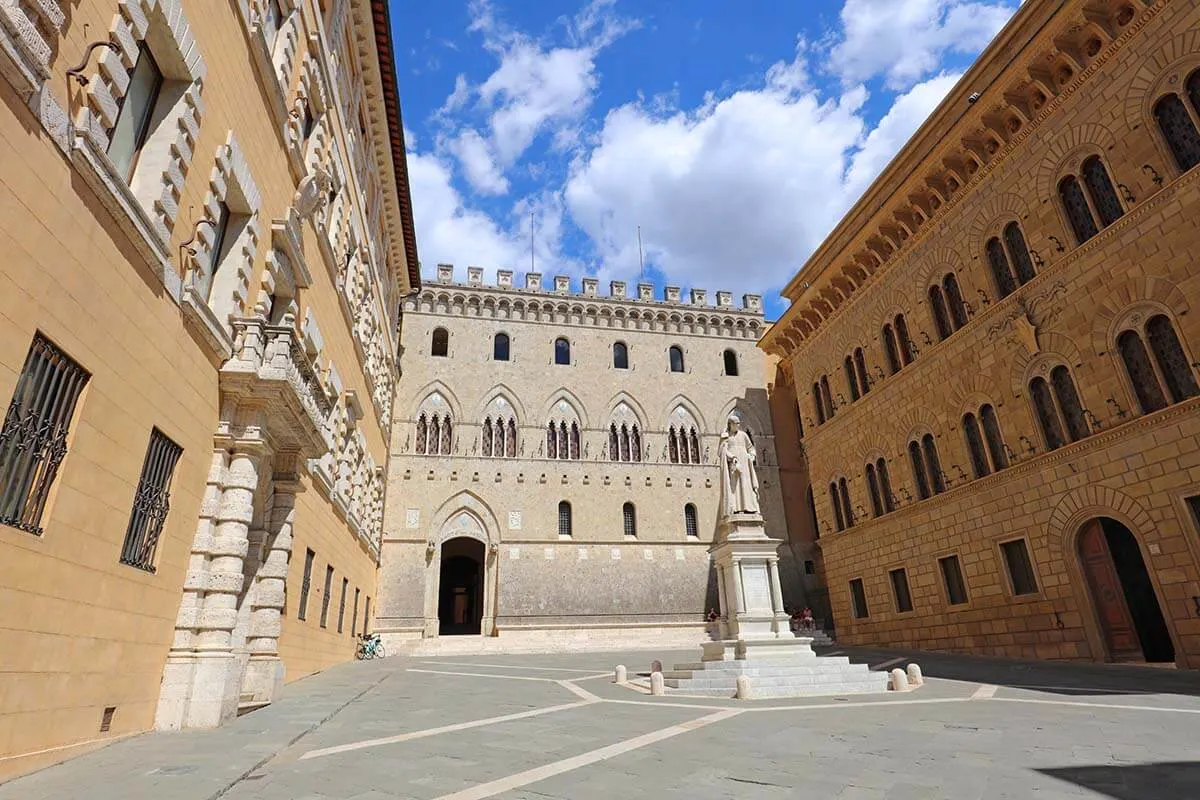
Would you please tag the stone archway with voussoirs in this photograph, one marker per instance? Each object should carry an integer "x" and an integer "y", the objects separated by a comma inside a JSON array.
[
  {"x": 1073, "y": 511},
  {"x": 463, "y": 516}
]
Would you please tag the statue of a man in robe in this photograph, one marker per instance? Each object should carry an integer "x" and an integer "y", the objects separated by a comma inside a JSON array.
[{"x": 739, "y": 481}]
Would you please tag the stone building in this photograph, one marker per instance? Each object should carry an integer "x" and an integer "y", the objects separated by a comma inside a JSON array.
[
  {"x": 552, "y": 480},
  {"x": 995, "y": 354},
  {"x": 207, "y": 233}
]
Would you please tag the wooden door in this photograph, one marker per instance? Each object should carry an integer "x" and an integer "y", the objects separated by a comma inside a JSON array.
[{"x": 1108, "y": 596}]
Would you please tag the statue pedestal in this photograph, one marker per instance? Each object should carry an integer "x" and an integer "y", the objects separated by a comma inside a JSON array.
[{"x": 747, "y": 563}]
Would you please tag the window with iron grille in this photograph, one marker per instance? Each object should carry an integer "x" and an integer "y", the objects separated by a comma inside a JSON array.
[
  {"x": 1020, "y": 568},
  {"x": 354, "y": 615},
  {"x": 367, "y": 615},
  {"x": 900, "y": 590},
  {"x": 342, "y": 603},
  {"x": 630, "y": 519},
  {"x": 689, "y": 521},
  {"x": 151, "y": 502},
  {"x": 33, "y": 439},
  {"x": 956, "y": 590},
  {"x": 858, "y": 599},
  {"x": 564, "y": 519},
  {"x": 306, "y": 584},
  {"x": 325, "y": 596}
]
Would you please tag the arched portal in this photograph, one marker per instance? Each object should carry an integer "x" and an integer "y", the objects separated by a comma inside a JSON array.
[
  {"x": 1127, "y": 608},
  {"x": 460, "y": 587}
]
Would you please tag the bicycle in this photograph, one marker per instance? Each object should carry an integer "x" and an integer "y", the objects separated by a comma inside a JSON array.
[{"x": 370, "y": 646}]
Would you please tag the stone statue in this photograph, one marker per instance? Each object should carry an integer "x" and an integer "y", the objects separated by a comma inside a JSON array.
[
  {"x": 313, "y": 193},
  {"x": 739, "y": 480}
]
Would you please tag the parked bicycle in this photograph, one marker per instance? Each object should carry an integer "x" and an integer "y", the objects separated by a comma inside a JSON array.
[{"x": 370, "y": 646}]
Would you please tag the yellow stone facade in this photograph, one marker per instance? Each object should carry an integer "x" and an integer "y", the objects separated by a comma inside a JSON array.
[
  {"x": 268, "y": 364},
  {"x": 1060, "y": 523}
]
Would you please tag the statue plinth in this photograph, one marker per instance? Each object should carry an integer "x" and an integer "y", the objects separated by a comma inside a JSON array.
[{"x": 747, "y": 562}]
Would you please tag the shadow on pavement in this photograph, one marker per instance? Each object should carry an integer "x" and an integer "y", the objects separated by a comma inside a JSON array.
[
  {"x": 1056, "y": 677},
  {"x": 1167, "y": 780}
]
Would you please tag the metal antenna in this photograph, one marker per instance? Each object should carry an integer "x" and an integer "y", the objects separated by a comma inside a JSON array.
[
  {"x": 641, "y": 258},
  {"x": 531, "y": 250}
]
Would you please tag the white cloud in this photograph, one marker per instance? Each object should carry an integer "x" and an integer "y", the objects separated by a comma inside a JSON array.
[
  {"x": 739, "y": 192},
  {"x": 905, "y": 40},
  {"x": 475, "y": 156}
]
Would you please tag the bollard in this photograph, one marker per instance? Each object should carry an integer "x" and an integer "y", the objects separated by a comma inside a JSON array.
[
  {"x": 899, "y": 681},
  {"x": 656, "y": 684},
  {"x": 656, "y": 666},
  {"x": 915, "y": 678},
  {"x": 744, "y": 692},
  {"x": 619, "y": 674}
]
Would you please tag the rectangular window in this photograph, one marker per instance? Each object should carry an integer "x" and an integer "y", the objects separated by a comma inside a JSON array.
[
  {"x": 33, "y": 439},
  {"x": 271, "y": 18},
  {"x": 342, "y": 604},
  {"x": 1020, "y": 568},
  {"x": 367, "y": 615},
  {"x": 956, "y": 590},
  {"x": 858, "y": 599},
  {"x": 137, "y": 110},
  {"x": 306, "y": 584},
  {"x": 1193, "y": 503},
  {"x": 325, "y": 597},
  {"x": 810, "y": 568},
  {"x": 900, "y": 591},
  {"x": 354, "y": 615},
  {"x": 151, "y": 502}
]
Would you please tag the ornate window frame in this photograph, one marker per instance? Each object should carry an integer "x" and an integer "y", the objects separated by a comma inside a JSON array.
[
  {"x": 1135, "y": 318},
  {"x": 273, "y": 60},
  {"x": 25, "y": 51}
]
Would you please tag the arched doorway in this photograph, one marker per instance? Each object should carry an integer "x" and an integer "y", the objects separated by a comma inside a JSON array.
[
  {"x": 1131, "y": 620},
  {"x": 460, "y": 588}
]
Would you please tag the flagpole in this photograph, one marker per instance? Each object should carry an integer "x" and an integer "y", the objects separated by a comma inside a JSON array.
[{"x": 641, "y": 258}]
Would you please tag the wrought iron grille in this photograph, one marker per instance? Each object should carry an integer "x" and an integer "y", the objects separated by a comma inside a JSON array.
[
  {"x": 564, "y": 518},
  {"x": 33, "y": 439},
  {"x": 689, "y": 521},
  {"x": 151, "y": 502}
]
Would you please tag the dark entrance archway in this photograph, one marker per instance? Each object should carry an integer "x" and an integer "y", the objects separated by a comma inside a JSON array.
[
  {"x": 1131, "y": 620},
  {"x": 460, "y": 589}
]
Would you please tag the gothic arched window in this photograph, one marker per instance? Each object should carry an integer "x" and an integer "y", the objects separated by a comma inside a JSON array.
[
  {"x": 440, "y": 344},
  {"x": 487, "y": 437},
  {"x": 562, "y": 351},
  {"x": 1001, "y": 272},
  {"x": 613, "y": 443},
  {"x": 1018, "y": 252},
  {"x": 731, "y": 364},
  {"x": 860, "y": 366},
  {"x": 941, "y": 315},
  {"x": 1140, "y": 372},
  {"x": 1100, "y": 190},
  {"x": 1178, "y": 127},
  {"x": 847, "y": 509},
  {"x": 979, "y": 461},
  {"x": 624, "y": 438},
  {"x": 991, "y": 433},
  {"x": 435, "y": 436},
  {"x": 690, "y": 526},
  {"x": 673, "y": 446},
  {"x": 936, "y": 477},
  {"x": 551, "y": 441},
  {"x": 907, "y": 351},
  {"x": 885, "y": 485},
  {"x": 920, "y": 476},
  {"x": 1043, "y": 406},
  {"x": 836, "y": 500},
  {"x": 574, "y": 441},
  {"x": 676, "y": 358},
  {"x": 1068, "y": 403},
  {"x": 422, "y": 444},
  {"x": 1076, "y": 206},
  {"x": 629, "y": 519},
  {"x": 500, "y": 347},
  {"x": 620, "y": 356},
  {"x": 818, "y": 403},
  {"x": 873, "y": 491},
  {"x": 510, "y": 444},
  {"x": 851, "y": 378},
  {"x": 954, "y": 300},
  {"x": 695, "y": 446},
  {"x": 890, "y": 351},
  {"x": 1168, "y": 353},
  {"x": 564, "y": 519},
  {"x": 447, "y": 436},
  {"x": 635, "y": 444},
  {"x": 564, "y": 451},
  {"x": 827, "y": 397}
]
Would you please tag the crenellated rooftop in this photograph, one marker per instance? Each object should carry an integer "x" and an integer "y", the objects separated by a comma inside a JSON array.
[{"x": 672, "y": 296}]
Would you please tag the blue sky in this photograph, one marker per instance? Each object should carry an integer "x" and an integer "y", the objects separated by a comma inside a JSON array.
[{"x": 734, "y": 134}]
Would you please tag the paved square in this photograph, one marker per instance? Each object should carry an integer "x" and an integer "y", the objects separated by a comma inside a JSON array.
[{"x": 556, "y": 726}]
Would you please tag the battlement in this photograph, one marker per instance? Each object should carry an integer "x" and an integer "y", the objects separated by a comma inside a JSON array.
[{"x": 671, "y": 295}]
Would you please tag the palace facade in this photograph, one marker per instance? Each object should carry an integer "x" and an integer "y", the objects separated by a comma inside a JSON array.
[
  {"x": 995, "y": 355},
  {"x": 207, "y": 235},
  {"x": 553, "y": 480}
]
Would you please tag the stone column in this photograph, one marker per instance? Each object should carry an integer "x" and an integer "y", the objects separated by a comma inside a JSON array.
[
  {"x": 776, "y": 592},
  {"x": 265, "y": 670},
  {"x": 735, "y": 573}
]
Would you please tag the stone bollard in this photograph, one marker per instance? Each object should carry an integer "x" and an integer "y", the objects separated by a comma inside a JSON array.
[
  {"x": 619, "y": 674},
  {"x": 657, "y": 687},
  {"x": 656, "y": 666},
  {"x": 899, "y": 681},
  {"x": 915, "y": 678},
  {"x": 744, "y": 692}
]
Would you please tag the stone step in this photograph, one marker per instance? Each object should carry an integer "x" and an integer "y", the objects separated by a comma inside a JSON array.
[
  {"x": 709, "y": 681},
  {"x": 765, "y": 693},
  {"x": 737, "y": 667},
  {"x": 770, "y": 670}
]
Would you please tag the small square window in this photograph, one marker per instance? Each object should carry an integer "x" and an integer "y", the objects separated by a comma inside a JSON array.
[
  {"x": 137, "y": 108},
  {"x": 956, "y": 590},
  {"x": 1020, "y": 568},
  {"x": 858, "y": 599},
  {"x": 810, "y": 568},
  {"x": 900, "y": 590}
]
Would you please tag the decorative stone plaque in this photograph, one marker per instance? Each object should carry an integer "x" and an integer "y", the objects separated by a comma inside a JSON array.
[
  {"x": 514, "y": 553},
  {"x": 616, "y": 554},
  {"x": 514, "y": 520},
  {"x": 756, "y": 586},
  {"x": 412, "y": 518}
]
